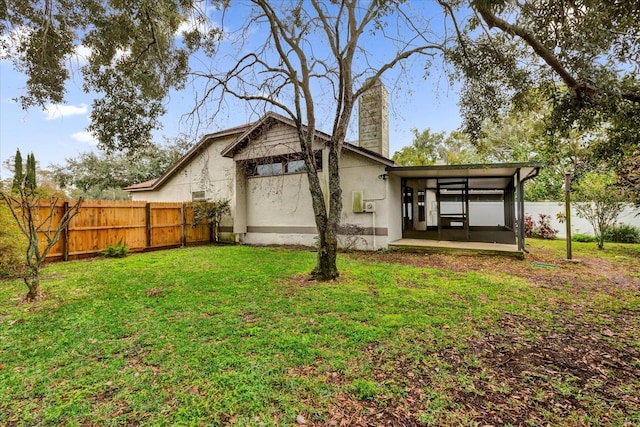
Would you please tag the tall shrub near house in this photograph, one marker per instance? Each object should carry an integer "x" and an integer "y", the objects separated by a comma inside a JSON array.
[
  {"x": 601, "y": 202},
  {"x": 211, "y": 212}
]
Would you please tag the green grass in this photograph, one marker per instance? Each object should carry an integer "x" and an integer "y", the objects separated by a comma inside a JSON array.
[{"x": 236, "y": 335}]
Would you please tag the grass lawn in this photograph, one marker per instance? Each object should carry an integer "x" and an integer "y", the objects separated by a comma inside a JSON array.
[{"x": 234, "y": 335}]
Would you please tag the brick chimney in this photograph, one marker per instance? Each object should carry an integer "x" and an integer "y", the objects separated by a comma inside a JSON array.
[{"x": 373, "y": 120}]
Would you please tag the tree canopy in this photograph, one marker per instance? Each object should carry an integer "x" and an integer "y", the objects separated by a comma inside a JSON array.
[
  {"x": 103, "y": 175},
  {"x": 135, "y": 56},
  {"x": 582, "y": 56}
]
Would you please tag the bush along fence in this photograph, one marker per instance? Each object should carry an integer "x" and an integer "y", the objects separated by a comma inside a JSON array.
[{"x": 140, "y": 226}]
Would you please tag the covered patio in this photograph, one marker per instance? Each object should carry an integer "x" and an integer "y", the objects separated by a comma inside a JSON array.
[
  {"x": 425, "y": 245},
  {"x": 466, "y": 204}
]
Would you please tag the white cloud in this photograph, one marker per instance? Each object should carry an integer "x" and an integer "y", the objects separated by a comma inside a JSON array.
[
  {"x": 80, "y": 55},
  {"x": 9, "y": 41},
  {"x": 57, "y": 111},
  {"x": 199, "y": 19},
  {"x": 85, "y": 138}
]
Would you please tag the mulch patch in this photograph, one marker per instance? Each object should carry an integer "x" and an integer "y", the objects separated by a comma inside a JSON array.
[
  {"x": 531, "y": 371},
  {"x": 586, "y": 274},
  {"x": 580, "y": 366}
]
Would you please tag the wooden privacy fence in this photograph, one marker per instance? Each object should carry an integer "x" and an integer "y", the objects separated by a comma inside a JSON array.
[{"x": 139, "y": 225}]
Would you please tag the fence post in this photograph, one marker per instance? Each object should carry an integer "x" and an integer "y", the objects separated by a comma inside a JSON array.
[
  {"x": 147, "y": 222},
  {"x": 65, "y": 233},
  {"x": 184, "y": 224}
]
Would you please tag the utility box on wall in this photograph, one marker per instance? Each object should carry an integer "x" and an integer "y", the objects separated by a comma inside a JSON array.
[
  {"x": 356, "y": 201},
  {"x": 369, "y": 206}
]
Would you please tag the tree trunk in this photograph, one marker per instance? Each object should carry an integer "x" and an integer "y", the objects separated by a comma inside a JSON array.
[
  {"x": 327, "y": 226},
  {"x": 33, "y": 283},
  {"x": 326, "y": 267}
]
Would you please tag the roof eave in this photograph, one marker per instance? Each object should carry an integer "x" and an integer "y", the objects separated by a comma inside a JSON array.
[{"x": 369, "y": 154}]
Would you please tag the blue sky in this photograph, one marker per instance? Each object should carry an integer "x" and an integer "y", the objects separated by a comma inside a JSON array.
[{"x": 60, "y": 131}]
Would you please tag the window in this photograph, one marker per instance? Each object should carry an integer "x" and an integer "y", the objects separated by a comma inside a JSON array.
[
  {"x": 294, "y": 166},
  {"x": 198, "y": 196},
  {"x": 421, "y": 205},
  {"x": 269, "y": 169},
  {"x": 279, "y": 165}
]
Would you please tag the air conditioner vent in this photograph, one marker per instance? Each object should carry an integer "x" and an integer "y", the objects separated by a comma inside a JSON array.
[{"x": 369, "y": 206}]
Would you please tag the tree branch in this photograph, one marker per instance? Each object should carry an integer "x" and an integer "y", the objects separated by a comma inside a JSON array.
[{"x": 545, "y": 54}]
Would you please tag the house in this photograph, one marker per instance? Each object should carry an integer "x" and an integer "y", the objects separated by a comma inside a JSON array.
[{"x": 258, "y": 167}]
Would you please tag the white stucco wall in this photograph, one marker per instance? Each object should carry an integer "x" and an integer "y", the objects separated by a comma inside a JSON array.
[
  {"x": 358, "y": 173},
  {"x": 277, "y": 209},
  {"x": 492, "y": 214},
  {"x": 208, "y": 171},
  {"x": 281, "y": 200},
  {"x": 280, "y": 210}
]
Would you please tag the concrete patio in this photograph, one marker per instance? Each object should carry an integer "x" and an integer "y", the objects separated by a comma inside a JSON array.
[{"x": 422, "y": 245}]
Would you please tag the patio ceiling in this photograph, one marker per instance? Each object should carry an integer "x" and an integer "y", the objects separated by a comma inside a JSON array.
[{"x": 481, "y": 176}]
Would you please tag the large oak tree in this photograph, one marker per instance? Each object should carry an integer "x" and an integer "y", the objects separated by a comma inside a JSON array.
[{"x": 583, "y": 56}]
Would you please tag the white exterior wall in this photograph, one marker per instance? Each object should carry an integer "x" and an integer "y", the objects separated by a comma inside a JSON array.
[
  {"x": 358, "y": 173},
  {"x": 280, "y": 210},
  {"x": 208, "y": 171},
  {"x": 492, "y": 214}
]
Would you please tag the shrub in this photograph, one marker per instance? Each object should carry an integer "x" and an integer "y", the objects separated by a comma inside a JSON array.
[
  {"x": 119, "y": 250},
  {"x": 544, "y": 229},
  {"x": 350, "y": 237},
  {"x": 13, "y": 244},
  {"x": 211, "y": 212},
  {"x": 622, "y": 233},
  {"x": 583, "y": 238},
  {"x": 541, "y": 228},
  {"x": 529, "y": 225}
]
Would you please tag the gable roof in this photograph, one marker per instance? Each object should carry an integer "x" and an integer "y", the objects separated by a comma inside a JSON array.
[
  {"x": 245, "y": 134},
  {"x": 368, "y": 153},
  {"x": 261, "y": 126},
  {"x": 203, "y": 144},
  {"x": 271, "y": 118}
]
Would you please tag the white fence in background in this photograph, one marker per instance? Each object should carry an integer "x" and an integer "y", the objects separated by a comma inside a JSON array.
[
  {"x": 630, "y": 216},
  {"x": 492, "y": 214}
]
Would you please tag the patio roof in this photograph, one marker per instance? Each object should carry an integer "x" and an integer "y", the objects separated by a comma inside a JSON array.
[{"x": 490, "y": 176}]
